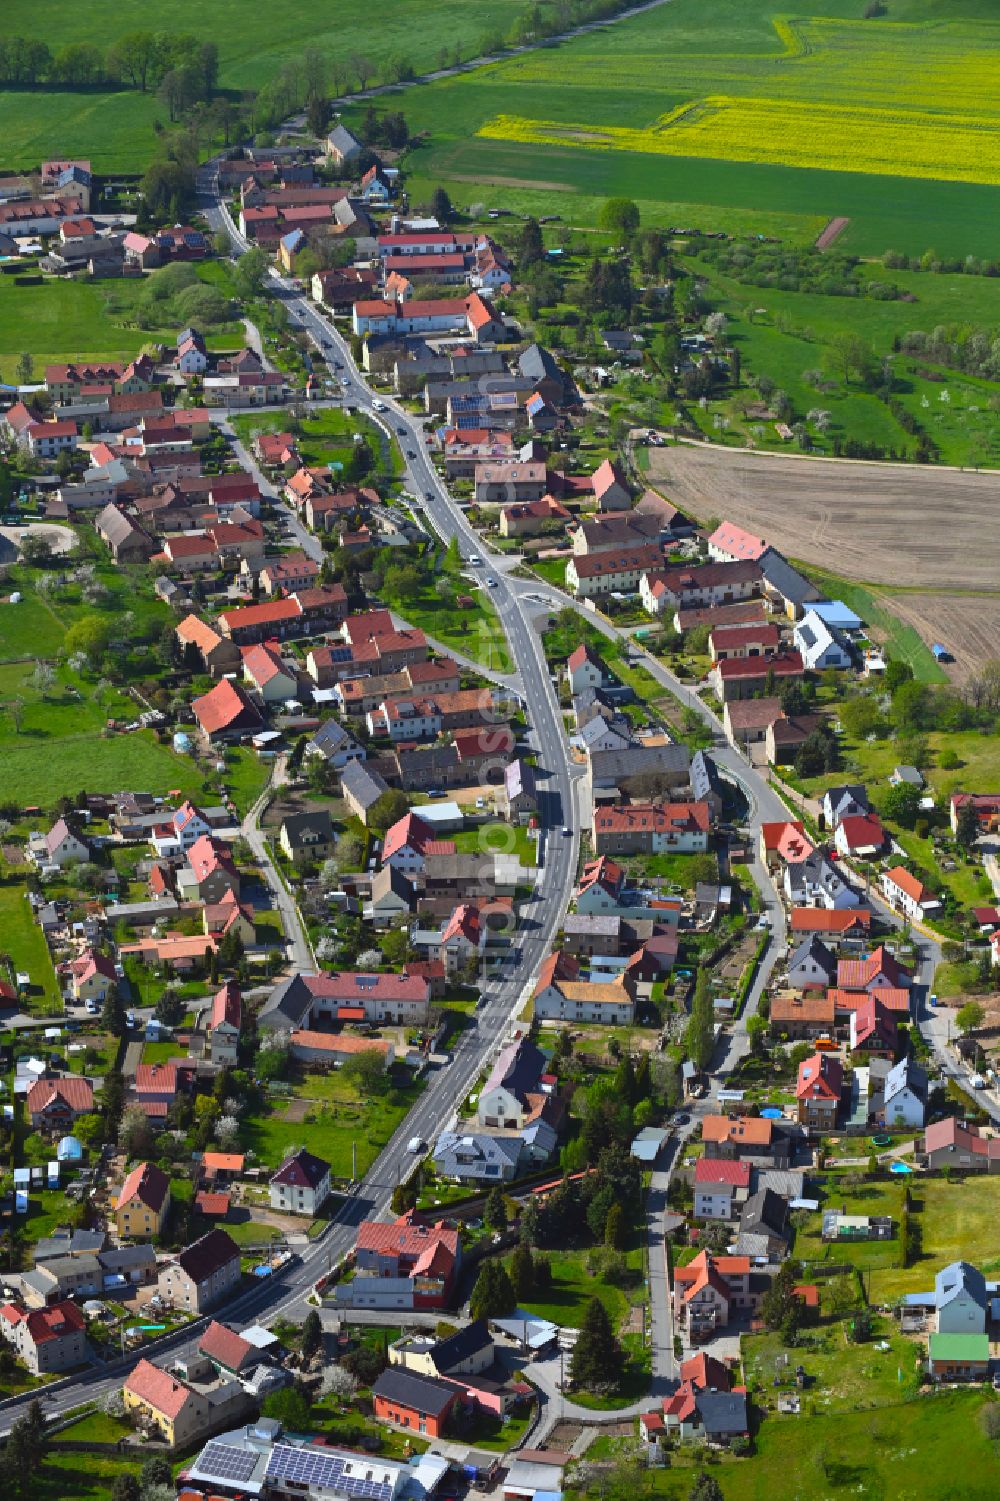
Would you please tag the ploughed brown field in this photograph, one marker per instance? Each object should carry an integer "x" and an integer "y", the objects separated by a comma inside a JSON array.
[{"x": 893, "y": 527}]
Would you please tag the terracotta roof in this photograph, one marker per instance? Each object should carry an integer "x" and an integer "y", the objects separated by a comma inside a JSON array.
[
  {"x": 733, "y": 539},
  {"x": 772, "y": 833},
  {"x": 212, "y": 1204},
  {"x": 817, "y": 1010},
  {"x": 227, "y": 1162},
  {"x": 222, "y": 706},
  {"x": 340, "y": 1042},
  {"x": 659, "y": 818},
  {"x": 156, "y": 1078},
  {"x": 227, "y": 1006},
  {"x": 78, "y": 1094},
  {"x": 404, "y": 1238},
  {"x": 821, "y": 920},
  {"x": 162, "y": 1392},
  {"x": 55, "y": 1322},
  {"x": 752, "y": 1129},
  {"x": 907, "y": 883},
  {"x": 224, "y": 1345},
  {"x": 858, "y": 974}
]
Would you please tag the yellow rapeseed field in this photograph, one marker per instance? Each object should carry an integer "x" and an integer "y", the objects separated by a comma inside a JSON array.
[{"x": 899, "y": 142}]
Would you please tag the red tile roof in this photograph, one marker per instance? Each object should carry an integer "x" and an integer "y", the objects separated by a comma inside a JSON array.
[
  {"x": 224, "y": 1345},
  {"x": 719, "y": 1170},
  {"x": 223, "y": 706},
  {"x": 820, "y": 1078},
  {"x": 78, "y": 1094},
  {"x": 158, "y": 1389}
]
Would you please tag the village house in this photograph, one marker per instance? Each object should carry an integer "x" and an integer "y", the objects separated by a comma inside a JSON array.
[
  {"x": 225, "y": 1019},
  {"x": 710, "y": 1291},
  {"x": 304, "y": 1000},
  {"x": 49, "y": 1339},
  {"x": 818, "y": 1090},
  {"x": 202, "y": 1275},
  {"x": 421, "y": 1404},
  {"x": 684, "y": 587},
  {"x": 54, "y": 1104},
  {"x": 301, "y": 1185},
  {"x": 307, "y": 836},
  {"x": 143, "y": 1203},
  {"x": 906, "y": 894},
  {"x": 590, "y": 575},
  {"x": 651, "y": 828}
]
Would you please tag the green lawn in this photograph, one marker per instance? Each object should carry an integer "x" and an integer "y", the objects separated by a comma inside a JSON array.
[
  {"x": 927, "y": 1449},
  {"x": 821, "y": 68},
  {"x": 327, "y": 437},
  {"x": 162, "y": 1052},
  {"x": 61, "y": 747},
  {"x": 85, "y": 1477},
  {"x": 22, "y": 939},
  {"x": 565, "y": 1302},
  {"x": 502, "y": 838},
  {"x": 329, "y": 1127},
  {"x": 954, "y": 1219},
  {"x": 475, "y": 632},
  {"x": 64, "y": 320}
]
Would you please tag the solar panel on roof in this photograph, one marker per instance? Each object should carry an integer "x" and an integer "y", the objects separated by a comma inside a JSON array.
[
  {"x": 224, "y": 1462},
  {"x": 311, "y": 1467}
]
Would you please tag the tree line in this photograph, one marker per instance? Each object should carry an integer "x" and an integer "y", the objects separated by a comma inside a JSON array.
[{"x": 141, "y": 60}]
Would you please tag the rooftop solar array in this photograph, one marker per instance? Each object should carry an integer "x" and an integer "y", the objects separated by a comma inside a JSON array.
[
  {"x": 224, "y": 1462},
  {"x": 309, "y": 1466}
]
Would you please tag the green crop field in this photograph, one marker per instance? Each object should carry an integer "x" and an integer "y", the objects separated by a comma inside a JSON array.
[
  {"x": 116, "y": 128},
  {"x": 707, "y": 117}
]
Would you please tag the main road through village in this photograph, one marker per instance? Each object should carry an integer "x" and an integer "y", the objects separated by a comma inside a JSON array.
[{"x": 519, "y": 604}]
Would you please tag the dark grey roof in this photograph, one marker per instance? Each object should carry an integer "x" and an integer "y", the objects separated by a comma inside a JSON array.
[
  {"x": 519, "y": 779},
  {"x": 450, "y": 1352},
  {"x": 786, "y": 580},
  {"x": 302, "y": 1171},
  {"x": 608, "y": 767},
  {"x": 847, "y": 793},
  {"x": 722, "y": 1413},
  {"x": 331, "y": 737},
  {"x": 906, "y": 1075},
  {"x": 363, "y": 783},
  {"x": 478, "y": 1151},
  {"x": 705, "y": 779},
  {"x": 958, "y": 1277},
  {"x": 74, "y": 1243},
  {"x": 764, "y": 1212},
  {"x": 518, "y": 1068},
  {"x": 537, "y": 364},
  {"x": 317, "y": 820},
  {"x": 127, "y": 1258},
  {"x": 422, "y": 1394},
  {"x": 287, "y": 1005},
  {"x": 813, "y": 948}
]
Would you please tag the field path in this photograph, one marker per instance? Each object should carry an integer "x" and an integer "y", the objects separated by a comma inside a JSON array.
[{"x": 927, "y": 530}]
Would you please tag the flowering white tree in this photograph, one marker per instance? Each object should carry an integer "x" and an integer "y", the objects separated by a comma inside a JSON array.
[{"x": 113, "y": 1403}]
